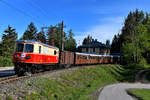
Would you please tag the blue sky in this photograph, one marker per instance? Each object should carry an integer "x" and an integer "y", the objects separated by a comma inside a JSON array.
[{"x": 99, "y": 18}]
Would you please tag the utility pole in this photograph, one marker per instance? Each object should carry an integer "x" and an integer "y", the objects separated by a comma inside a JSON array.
[
  {"x": 62, "y": 42},
  {"x": 51, "y": 36},
  {"x": 62, "y": 37}
]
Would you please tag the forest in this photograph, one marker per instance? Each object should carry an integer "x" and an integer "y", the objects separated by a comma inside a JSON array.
[{"x": 133, "y": 42}]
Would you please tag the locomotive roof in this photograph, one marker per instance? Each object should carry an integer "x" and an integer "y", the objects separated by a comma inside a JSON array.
[{"x": 32, "y": 41}]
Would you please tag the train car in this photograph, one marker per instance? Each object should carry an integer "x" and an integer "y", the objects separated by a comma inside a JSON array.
[
  {"x": 95, "y": 59},
  {"x": 81, "y": 58},
  {"x": 31, "y": 55},
  {"x": 116, "y": 59},
  {"x": 111, "y": 59},
  {"x": 67, "y": 58},
  {"x": 86, "y": 58}
]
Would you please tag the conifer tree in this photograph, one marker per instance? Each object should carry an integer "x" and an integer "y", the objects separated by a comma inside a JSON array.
[
  {"x": 41, "y": 37},
  {"x": 87, "y": 40},
  {"x": 70, "y": 43},
  {"x": 108, "y": 43},
  {"x": 30, "y": 33},
  {"x": 116, "y": 43},
  {"x": 8, "y": 42}
]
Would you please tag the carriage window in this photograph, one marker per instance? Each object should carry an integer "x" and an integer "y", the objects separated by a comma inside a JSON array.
[
  {"x": 29, "y": 48},
  {"x": 39, "y": 49},
  {"x": 45, "y": 50},
  {"x": 55, "y": 52},
  {"x": 19, "y": 47},
  {"x": 93, "y": 49},
  {"x": 86, "y": 49}
]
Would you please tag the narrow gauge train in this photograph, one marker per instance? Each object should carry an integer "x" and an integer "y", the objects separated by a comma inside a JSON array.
[{"x": 32, "y": 56}]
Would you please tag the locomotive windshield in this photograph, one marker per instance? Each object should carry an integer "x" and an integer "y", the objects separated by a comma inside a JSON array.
[
  {"x": 20, "y": 47},
  {"x": 28, "y": 48}
]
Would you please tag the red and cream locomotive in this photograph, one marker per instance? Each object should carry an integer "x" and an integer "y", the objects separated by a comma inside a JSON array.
[{"x": 32, "y": 56}]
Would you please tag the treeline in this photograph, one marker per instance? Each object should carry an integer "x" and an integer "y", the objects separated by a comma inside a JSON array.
[
  {"x": 89, "y": 39},
  {"x": 10, "y": 35},
  {"x": 53, "y": 32},
  {"x": 134, "y": 41}
]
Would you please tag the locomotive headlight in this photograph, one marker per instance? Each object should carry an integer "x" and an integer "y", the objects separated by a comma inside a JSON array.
[{"x": 23, "y": 55}]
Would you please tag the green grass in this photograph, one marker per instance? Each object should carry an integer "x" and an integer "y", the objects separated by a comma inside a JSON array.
[
  {"x": 79, "y": 84},
  {"x": 142, "y": 94}
]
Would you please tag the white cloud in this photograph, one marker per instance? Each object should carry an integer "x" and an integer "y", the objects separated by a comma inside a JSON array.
[
  {"x": 102, "y": 32},
  {"x": 113, "y": 20}
]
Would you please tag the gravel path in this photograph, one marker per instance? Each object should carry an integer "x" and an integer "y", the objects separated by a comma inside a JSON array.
[
  {"x": 6, "y": 71},
  {"x": 6, "y": 68},
  {"x": 118, "y": 91}
]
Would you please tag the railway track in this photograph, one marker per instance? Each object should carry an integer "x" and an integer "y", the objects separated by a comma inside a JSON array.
[
  {"x": 10, "y": 79},
  {"x": 6, "y": 78},
  {"x": 13, "y": 78}
]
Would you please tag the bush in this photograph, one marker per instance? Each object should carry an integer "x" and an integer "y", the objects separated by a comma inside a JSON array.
[
  {"x": 140, "y": 65},
  {"x": 5, "y": 61},
  {"x": 133, "y": 66},
  {"x": 143, "y": 62}
]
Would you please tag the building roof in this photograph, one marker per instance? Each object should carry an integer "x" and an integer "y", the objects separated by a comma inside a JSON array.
[{"x": 94, "y": 45}]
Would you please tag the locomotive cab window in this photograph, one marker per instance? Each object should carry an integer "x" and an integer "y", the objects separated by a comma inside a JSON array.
[
  {"x": 55, "y": 52},
  {"x": 19, "y": 47},
  {"x": 29, "y": 48}
]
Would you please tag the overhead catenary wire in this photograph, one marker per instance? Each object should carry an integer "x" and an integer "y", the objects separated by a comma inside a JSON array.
[
  {"x": 36, "y": 6},
  {"x": 20, "y": 11},
  {"x": 44, "y": 10}
]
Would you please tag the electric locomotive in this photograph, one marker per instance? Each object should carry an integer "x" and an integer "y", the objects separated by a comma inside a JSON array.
[{"x": 31, "y": 56}]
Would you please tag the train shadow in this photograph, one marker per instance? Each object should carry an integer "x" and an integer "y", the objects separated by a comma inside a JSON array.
[{"x": 5, "y": 73}]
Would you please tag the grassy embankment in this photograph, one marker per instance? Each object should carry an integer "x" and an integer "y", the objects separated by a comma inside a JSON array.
[
  {"x": 5, "y": 61},
  {"x": 142, "y": 94},
  {"x": 80, "y": 84}
]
